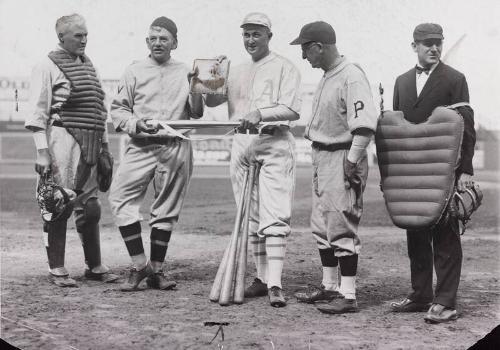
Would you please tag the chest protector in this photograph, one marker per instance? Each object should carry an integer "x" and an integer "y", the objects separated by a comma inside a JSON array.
[
  {"x": 417, "y": 165},
  {"x": 83, "y": 114}
]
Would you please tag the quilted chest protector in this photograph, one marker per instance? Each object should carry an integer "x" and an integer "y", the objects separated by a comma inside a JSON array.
[{"x": 417, "y": 164}]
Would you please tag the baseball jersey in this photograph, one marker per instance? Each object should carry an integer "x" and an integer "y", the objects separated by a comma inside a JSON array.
[
  {"x": 272, "y": 81},
  {"x": 149, "y": 90},
  {"x": 342, "y": 103}
]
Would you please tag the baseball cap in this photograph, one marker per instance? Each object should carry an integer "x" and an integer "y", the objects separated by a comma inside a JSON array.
[
  {"x": 428, "y": 31},
  {"x": 257, "y": 18},
  {"x": 319, "y": 31},
  {"x": 166, "y": 23}
]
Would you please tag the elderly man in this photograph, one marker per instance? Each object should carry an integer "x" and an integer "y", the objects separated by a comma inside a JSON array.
[
  {"x": 264, "y": 94},
  {"x": 69, "y": 130},
  {"x": 430, "y": 84},
  {"x": 154, "y": 88},
  {"x": 343, "y": 120}
]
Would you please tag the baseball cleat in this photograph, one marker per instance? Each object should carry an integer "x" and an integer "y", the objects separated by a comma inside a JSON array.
[
  {"x": 439, "y": 314},
  {"x": 408, "y": 305},
  {"x": 256, "y": 289},
  {"x": 339, "y": 306},
  {"x": 159, "y": 281},
  {"x": 313, "y": 293},
  {"x": 62, "y": 281},
  {"x": 276, "y": 298},
  {"x": 106, "y": 277},
  {"x": 135, "y": 277}
]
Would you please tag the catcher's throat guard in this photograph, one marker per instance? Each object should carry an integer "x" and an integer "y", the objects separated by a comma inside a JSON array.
[{"x": 55, "y": 202}]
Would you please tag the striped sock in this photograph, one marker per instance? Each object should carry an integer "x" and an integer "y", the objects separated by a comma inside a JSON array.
[
  {"x": 259, "y": 256},
  {"x": 133, "y": 241},
  {"x": 159, "y": 246},
  {"x": 275, "y": 247}
]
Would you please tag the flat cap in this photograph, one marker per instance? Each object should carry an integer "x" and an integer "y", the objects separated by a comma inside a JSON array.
[
  {"x": 166, "y": 23},
  {"x": 319, "y": 31},
  {"x": 257, "y": 18},
  {"x": 428, "y": 31}
]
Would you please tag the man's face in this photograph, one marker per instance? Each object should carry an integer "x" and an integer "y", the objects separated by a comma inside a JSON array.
[
  {"x": 428, "y": 51},
  {"x": 311, "y": 52},
  {"x": 256, "y": 40},
  {"x": 160, "y": 42},
  {"x": 74, "y": 40}
]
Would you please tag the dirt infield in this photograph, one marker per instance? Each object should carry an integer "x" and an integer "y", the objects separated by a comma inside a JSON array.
[{"x": 36, "y": 315}]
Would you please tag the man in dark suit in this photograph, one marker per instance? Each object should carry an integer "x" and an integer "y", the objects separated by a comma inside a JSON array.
[{"x": 430, "y": 84}]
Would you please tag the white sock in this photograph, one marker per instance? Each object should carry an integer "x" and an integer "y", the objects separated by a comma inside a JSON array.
[
  {"x": 156, "y": 265},
  {"x": 330, "y": 278},
  {"x": 259, "y": 256},
  {"x": 275, "y": 247},
  {"x": 139, "y": 261},
  {"x": 348, "y": 286}
]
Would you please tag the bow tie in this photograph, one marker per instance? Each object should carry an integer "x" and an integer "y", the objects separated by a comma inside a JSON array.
[{"x": 420, "y": 70}]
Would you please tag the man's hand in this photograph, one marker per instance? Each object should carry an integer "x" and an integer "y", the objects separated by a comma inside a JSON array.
[
  {"x": 42, "y": 163},
  {"x": 193, "y": 74},
  {"x": 251, "y": 120},
  {"x": 148, "y": 128},
  {"x": 464, "y": 181},
  {"x": 349, "y": 173}
]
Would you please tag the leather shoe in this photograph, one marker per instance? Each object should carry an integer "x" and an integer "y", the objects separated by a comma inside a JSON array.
[
  {"x": 256, "y": 289},
  {"x": 338, "y": 306},
  {"x": 408, "y": 305},
  {"x": 159, "y": 281},
  {"x": 62, "y": 281},
  {"x": 438, "y": 314},
  {"x": 314, "y": 293},
  {"x": 135, "y": 277},
  {"x": 276, "y": 298},
  {"x": 106, "y": 277}
]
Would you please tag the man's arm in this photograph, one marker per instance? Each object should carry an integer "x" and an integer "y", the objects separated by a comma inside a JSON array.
[
  {"x": 395, "y": 98},
  {"x": 460, "y": 93}
]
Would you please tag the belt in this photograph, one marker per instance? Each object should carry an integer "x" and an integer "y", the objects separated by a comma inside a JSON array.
[
  {"x": 331, "y": 148},
  {"x": 154, "y": 140},
  {"x": 255, "y": 131}
]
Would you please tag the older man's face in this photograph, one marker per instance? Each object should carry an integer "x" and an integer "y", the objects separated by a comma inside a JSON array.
[
  {"x": 428, "y": 51},
  {"x": 74, "y": 39},
  {"x": 160, "y": 42},
  {"x": 256, "y": 40}
]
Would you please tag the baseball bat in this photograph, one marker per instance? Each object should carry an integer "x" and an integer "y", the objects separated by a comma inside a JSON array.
[
  {"x": 239, "y": 284},
  {"x": 228, "y": 268}
]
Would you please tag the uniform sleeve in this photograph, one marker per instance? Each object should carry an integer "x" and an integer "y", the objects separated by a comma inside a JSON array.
[
  {"x": 395, "y": 98},
  {"x": 122, "y": 106},
  {"x": 460, "y": 93},
  {"x": 40, "y": 98},
  {"x": 288, "y": 96},
  {"x": 361, "y": 112}
]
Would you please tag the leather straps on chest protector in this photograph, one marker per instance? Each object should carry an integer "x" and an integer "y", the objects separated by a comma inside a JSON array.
[
  {"x": 83, "y": 113},
  {"x": 417, "y": 164}
]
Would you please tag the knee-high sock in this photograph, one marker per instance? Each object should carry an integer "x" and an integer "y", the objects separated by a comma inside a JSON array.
[
  {"x": 133, "y": 241},
  {"x": 159, "y": 246},
  {"x": 87, "y": 226},
  {"x": 259, "y": 256},
  {"x": 348, "y": 270},
  {"x": 329, "y": 262},
  {"x": 275, "y": 248},
  {"x": 55, "y": 243}
]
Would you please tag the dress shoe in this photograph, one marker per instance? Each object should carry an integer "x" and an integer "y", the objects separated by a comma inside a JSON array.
[
  {"x": 338, "y": 306},
  {"x": 62, "y": 281},
  {"x": 438, "y": 314},
  {"x": 256, "y": 289},
  {"x": 159, "y": 281},
  {"x": 408, "y": 305},
  {"x": 276, "y": 298},
  {"x": 106, "y": 277},
  {"x": 135, "y": 277},
  {"x": 313, "y": 293}
]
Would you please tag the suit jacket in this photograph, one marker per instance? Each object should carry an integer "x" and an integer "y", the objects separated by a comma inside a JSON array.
[{"x": 445, "y": 86}]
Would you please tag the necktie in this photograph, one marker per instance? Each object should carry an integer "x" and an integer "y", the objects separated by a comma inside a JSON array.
[{"x": 420, "y": 70}]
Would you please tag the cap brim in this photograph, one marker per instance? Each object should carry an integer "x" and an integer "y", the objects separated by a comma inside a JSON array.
[
  {"x": 430, "y": 36},
  {"x": 299, "y": 41},
  {"x": 254, "y": 24}
]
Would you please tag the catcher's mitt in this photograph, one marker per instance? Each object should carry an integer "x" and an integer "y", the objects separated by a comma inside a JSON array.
[
  {"x": 463, "y": 204},
  {"x": 55, "y": 202},
  {"x": 104, "y": 170}
]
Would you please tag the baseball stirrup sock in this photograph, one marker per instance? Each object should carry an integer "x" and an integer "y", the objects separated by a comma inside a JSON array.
[
  {"x": 329, "y": 262},
  {"x": 259, "y": 256},
  {"x": 348, "y": 270},
  {"x": 275, "y": 247},
  {"x": 132, "y": 237},
  {"x": 159, "y": 244}
]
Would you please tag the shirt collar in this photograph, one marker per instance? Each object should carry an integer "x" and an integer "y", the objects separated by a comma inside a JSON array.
[
  {"x": 339, "y": 65},
  {"x": 432, "y": 67}
]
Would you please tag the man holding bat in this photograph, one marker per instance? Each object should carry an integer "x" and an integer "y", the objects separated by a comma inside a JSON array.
[
  {"x": 154, "y": 88},
  {"x": 263, "y": 94}
]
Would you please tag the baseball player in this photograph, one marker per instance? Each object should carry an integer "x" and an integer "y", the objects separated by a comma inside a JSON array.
[
  {"x": 430, "y": 84},
  {"x": 342, "y": 122},
  {"x": 154, "y": 88},
  {"x": 69, "y": 129},
  {"x": 264, "y": 94}
]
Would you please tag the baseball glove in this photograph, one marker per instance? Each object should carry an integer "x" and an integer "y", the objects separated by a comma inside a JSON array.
[
  {"x": 463, "y": 204},
  {"x": 104, "y": 170},
  {"x": 55, "y": 202}
]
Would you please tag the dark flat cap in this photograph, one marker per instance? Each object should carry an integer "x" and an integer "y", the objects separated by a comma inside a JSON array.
[
  {"x": 320, "y": 32},
  {"x": 166, "y": 23},
  {"x": 428, "y": 31}
]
